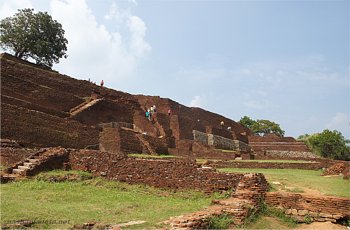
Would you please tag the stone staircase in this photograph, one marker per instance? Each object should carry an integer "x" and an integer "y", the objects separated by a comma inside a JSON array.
[
  {"x": 146, "y": 145},
  {"x": 43, "y": 160},
  {"x": 78, "y": 109},
  {"x": 6, "y": 143}
]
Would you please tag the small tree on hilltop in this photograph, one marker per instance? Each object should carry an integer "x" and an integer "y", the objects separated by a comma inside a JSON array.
[
  {"x": 247, "y": 122},
  {"x": 262, "y": 127},
  {"x": 33, "y": 35}
]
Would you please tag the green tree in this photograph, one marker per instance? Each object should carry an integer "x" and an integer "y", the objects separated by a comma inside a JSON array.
[
  {"x": 262, "y": 127},
  {"x": 329, "y": 144},
  {"x": 33, "y": 35},
  {"x": 247, "y": 122}
]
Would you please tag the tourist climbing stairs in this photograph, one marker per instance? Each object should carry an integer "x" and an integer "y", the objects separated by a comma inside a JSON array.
[{"x": 83, "y": 106}]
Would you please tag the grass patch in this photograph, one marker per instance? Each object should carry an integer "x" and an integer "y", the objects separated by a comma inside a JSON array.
[
  {"x": 150, "y": 156},
  {"x": 226, "y": 150},
  {"x": 299, "y": 180},
  {"x": 96, "y": 199},
  {"x": 222, "y": 221},
  {"x": 200, "y": 160},
  {"x": 269, "y": 218},
  {"x": 60, "y": 176},
  {"x": 2, "y": 167}
]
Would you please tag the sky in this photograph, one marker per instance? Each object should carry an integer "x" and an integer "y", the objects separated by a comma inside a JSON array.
[{"x": 281, "y": 60}]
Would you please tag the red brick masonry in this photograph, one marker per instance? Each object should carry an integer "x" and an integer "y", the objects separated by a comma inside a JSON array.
[
  {"x": 310, "y": 208},
  {"x": 174, "y": 174}
]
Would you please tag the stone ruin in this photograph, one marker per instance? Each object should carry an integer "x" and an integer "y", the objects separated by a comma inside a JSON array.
[{"x": 96, "y": 127}]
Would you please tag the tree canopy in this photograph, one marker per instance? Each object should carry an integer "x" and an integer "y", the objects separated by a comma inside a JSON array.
[
  {"x": 33, "y": 35},
  {"x": 262, "y": 127},
  {"x": 329, "y": 144}
]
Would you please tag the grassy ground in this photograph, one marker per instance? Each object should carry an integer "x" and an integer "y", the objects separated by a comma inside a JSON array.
[
  {"x": 297, "y": 180},
  {"x": 94, "y": 199}
]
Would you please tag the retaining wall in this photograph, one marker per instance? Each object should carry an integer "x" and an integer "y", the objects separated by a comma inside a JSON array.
[
  {"x": 306, "y": 208},
  {"x": 245, "y": 201},
  {"x": 220, "y": 142},
  {"x": 36, "y": 129},
  {"x": 270, "y": 138},
  {"x": 266, "y": 165},
  {"x": 172, "y": 174},
  {"x": 278, "y": 154}
]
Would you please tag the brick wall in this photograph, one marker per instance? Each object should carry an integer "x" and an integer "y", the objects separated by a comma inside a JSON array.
[
  {"x": 120, "y": 139},
  {"x": 275, "y": 147},
  {"x": 174, "y": 126},
  {"x": 314, "y": 208},
  {"x": 109, "y": 140},
  {"x": 278, "y": 154},
  {"x": 219, "y": 142},
  {"x": 172, "y": 174},
  {"x": 159, "y": 145},
  {"x": 128, "y": 142},
  {"x": 245, "y": 201},
  {"x": 10, "y": 156},
  {"x": 270, "y": 138},
  {"x": 105, "y": 111},
  {"x": 221, "y": 132},
  {"x": 36, "y": 129},
  {"x": 279, "y": 146},
  {"x": 204, "y": 151}
]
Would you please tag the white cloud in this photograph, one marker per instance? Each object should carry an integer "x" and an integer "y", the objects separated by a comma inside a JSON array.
[
  {"x": 138, "y": 31},
  {"x": 8, "y": 8},
  {"x": 258, "y": 104},
  {"x": 133, "y": 2},
  {"x": 113, "y": 12},
  {"x": 95, "y": 51},
  {"x": 340, "y": 122},
  {"x": 197, "y": 101}
]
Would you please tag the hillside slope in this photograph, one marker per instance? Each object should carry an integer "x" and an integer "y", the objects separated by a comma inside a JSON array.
[{"x": 44, "y": 108}]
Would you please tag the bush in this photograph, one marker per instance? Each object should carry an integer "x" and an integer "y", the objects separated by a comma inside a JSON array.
[{"x": 329, "y": 144}]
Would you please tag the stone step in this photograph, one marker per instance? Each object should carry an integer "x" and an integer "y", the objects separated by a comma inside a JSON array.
[
  {"x": 17, "y": 171},
  {"x": 33, "y": 160},
  {"x": 12, "y": 176},
  {"x": 23, "y": 167},
  {"x": 34, "y": 157},
  {"x": 27, "y": 164}
]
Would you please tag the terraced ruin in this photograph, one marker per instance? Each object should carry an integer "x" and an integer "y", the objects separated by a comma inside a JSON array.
[{"x": 52, "y": 121}]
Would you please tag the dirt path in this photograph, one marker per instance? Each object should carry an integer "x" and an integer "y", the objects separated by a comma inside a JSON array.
[{"x": 322, "y": 226}]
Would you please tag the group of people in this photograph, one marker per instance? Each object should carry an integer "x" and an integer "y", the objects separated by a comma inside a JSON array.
[
  {"x": 150, "y": 112},
  {"x": 102, "y": 82},
  {"x": 222, "y": 125}
]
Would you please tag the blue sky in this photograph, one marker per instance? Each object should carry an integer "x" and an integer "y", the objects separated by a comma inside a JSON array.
[{"x": 286, "y": 61}]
